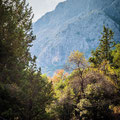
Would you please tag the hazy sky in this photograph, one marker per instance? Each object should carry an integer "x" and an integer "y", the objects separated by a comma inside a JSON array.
[{"x": 40, "y": 7}]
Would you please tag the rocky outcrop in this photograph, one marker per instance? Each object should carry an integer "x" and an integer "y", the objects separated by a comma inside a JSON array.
[{"x": 73, "y": 25}]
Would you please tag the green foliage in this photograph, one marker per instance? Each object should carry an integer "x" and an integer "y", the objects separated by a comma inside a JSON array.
[
  {"x": 77, "y": 60},
  {"x": 25, "y": 94},
  {"x": 116, "y": 56},
  {"x": 89, "y": 92},
  {"x": 96, "y": 103},
  {"x": 30, "y": 99},
  {"x": 15, "y": 39},
  {"x": 103, "y": 51},
  {"x": 36, "y": 94},
  {"x": 8, "y": 101}
]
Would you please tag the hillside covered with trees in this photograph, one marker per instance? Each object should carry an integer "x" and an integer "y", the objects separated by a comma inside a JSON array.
[{"x": 84, "y": 90}]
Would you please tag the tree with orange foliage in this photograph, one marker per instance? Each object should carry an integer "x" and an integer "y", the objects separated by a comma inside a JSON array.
[{"x": 59, "y": 75}]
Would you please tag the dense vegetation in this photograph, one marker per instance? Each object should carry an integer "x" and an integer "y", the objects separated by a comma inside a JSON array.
[
  {"x": 92, "y": 90},
  {"x": 89, "y": 91},
  {"x": 24, "y": 92}
]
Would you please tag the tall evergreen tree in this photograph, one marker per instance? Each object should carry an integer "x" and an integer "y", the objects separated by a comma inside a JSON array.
[
  {"x": 15, "y": 39},
  {"x": 35, "y": 95},
  {"x": 104, "y": 50},
  {"x": 24, "y": 94}
]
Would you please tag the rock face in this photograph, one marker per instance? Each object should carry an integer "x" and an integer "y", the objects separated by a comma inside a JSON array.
[{"x": 73, "y": 25}]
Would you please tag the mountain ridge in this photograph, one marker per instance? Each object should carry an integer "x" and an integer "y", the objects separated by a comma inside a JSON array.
[{"x": 73, "y": 25}]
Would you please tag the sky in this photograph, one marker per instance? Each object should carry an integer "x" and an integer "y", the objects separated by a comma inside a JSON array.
[{"x": 40, "y": 7}]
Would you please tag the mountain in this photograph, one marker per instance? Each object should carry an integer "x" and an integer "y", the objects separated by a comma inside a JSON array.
[{"x": 73, "y": 25}]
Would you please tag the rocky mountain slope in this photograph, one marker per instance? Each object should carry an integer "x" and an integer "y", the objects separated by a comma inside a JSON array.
[{"x": 73, "y": 25}]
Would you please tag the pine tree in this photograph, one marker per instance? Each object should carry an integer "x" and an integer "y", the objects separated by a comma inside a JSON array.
[
  {"x": 35, "y": 95},
  {"x": 104, "y": 50},
  {"x": 15, "y": 39}
]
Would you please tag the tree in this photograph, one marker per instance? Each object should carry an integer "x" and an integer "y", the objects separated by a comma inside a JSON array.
[
  {"x": 77, "y": 60},
  {"x": 15, "y": 39},
  {"x": 78, "y": 63},
  {"x": 36, "y": 94},
  {"x": 63, "y": 103},
  {"x": 24, "y": 93},
  {"x": 98, "y": 98},
  {"x": 60, "y": 75},
  {"x": 116, "y": 56},
  {"x": 9, "y": 103},
  {"x": 114, "y": 71},
  {"x": 104, "y": 50}
]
